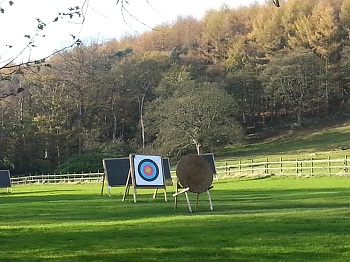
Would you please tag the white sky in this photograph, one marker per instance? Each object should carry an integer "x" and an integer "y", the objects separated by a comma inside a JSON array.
[{"x": 104, "y": 20}]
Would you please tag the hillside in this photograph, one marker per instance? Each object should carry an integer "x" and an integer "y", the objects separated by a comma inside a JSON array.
[{"x": 330, "y": 139}]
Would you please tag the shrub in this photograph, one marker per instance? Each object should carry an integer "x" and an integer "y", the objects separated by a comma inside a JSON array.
[{"x": 91, "y": 162}]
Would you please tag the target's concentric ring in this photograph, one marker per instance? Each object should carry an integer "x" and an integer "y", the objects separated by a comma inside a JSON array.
[{"x": 148, "y": 170}]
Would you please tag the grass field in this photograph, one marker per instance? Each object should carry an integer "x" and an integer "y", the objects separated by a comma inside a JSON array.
[
  {"x": 301, "y": 144},
  {"x": 272, "y": 219}
]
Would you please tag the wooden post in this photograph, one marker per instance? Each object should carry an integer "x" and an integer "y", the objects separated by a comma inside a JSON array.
[
  {"x": 346, "y": 165},
  {"x": 210, "y": 202},
  {"x": 103, "y": 183},
  {"x": 187, "y": 198},
  {"x": 281, "y": 165},
  {"x": 127, "y": 185},
  {"x": 312, "y": 166},
  {"x": 329, "y": 166},
  {"x": 188, "y": 202},
  {"x": 240, "y": 166},
  {"x": 267, "y": 166},
  {"x": 252, "y": 166}
]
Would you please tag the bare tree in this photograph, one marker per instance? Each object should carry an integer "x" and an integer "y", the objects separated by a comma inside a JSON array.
[{"x": 13, "y": 52}]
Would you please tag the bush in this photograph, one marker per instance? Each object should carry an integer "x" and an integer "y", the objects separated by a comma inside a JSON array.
[{"x": 91, "y": 162}]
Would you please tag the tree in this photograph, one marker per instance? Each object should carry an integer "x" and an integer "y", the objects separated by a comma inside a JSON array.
[
  {"x": 267, "y": 31},
  {"x": 292, "y": 81},
  {"x": 244, "y": 85},
  {"x": 191, "y": 113},
  {"x": 139, "y": 75},
  {"x": 321, "y": 33}
]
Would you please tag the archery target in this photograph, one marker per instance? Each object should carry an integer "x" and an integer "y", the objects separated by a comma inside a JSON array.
[{"x": 148, "y": 170}]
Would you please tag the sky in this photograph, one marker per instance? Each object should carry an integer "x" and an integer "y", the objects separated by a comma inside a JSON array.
[{"x": 103, "y": 20}]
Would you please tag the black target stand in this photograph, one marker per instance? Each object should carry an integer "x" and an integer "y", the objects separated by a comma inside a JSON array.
[{"x": 5, "y": 180}]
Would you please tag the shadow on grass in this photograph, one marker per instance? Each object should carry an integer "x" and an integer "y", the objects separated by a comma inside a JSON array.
[
  {"x": 64, "y": 206},
  {"x": 213, "y": 238}
]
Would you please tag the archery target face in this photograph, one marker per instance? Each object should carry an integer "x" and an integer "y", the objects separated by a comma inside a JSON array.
[{"x": 148, "y": 170}]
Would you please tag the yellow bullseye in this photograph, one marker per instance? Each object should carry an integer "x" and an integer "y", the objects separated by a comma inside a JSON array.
[{"x": 148, "y": 170}]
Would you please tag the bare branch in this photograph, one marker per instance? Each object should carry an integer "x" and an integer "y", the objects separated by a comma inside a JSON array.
[
  {"x": 11, "y": 63},
  {"x": 123, "y": 8}
]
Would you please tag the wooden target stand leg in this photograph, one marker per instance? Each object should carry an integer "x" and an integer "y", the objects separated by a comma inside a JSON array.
[
  {"x": 156, "y": 191},
  {"x": 209, "y": 198},
  {"x": 130, "y": 181},
  {"x": 127, "y": 188},
  {"x": 128, "y": 184},
  {"x": 210, "y": 202},
  {"x": 187, "y": 198},
  {"x": 185, "y": 190},
  {"x": 109, "y": 188}
]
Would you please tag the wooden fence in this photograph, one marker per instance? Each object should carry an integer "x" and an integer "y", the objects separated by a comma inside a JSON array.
[
  {"x": 250, "y": 168},
  {"x": 312, "y": 167},
  {"x": 58, "y": 178}
]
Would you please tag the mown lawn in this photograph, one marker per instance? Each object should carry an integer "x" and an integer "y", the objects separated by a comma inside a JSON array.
[{"x": 274, "y": 219}]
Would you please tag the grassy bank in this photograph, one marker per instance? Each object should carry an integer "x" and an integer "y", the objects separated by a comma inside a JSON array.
[{"x": 316, "y": 143}]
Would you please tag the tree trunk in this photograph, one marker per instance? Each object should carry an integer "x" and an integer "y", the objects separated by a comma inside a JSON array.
[
  {"x": 114, "y": 136},
  {"x": 198, "y": 147},
  {"x": 141, "y": 104}
]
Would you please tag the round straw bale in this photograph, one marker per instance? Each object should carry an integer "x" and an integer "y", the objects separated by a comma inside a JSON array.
[{"x": 194, "y": 172}]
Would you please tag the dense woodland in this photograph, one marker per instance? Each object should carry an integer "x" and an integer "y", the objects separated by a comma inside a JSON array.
[{"x": 195, "y": 85}]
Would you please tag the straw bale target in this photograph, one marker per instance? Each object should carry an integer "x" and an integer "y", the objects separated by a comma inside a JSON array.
[{"x": 195, "y": 173}]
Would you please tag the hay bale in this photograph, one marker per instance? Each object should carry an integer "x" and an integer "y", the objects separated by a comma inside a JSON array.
[{"x": 194, "y": 172}]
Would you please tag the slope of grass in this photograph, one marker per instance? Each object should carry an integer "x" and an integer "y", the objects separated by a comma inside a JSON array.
[
  {"x": 253, "y": 220},
  {"x": 320, "y": 143}
]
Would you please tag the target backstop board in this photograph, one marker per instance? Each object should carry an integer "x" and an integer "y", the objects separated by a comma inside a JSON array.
[{"x": 5, "y": 180}]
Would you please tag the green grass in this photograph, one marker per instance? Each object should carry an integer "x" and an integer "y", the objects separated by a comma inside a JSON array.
[
  {"x": 331, "y": 142},
  {"x": 271, "y": 219}
]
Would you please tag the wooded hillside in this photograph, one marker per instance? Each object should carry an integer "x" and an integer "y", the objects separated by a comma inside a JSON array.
[{"x": 193, "y": 85}]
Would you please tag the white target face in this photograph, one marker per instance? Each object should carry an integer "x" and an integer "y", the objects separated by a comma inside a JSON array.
[{"x": 148, "y": 170}]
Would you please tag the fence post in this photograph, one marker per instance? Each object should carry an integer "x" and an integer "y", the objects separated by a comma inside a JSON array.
[
  {"x": 312, "y": 166},
  {"x": 227, "y": 170},
  {"x": 267, "y": 166},
  {"x": 346, "y": 165},
  {"x": 240, "y": 166},
  {"x": 329, "y": 166},
  {"x": 252, "y": 166},
  {"x": 281, "y": 166}
]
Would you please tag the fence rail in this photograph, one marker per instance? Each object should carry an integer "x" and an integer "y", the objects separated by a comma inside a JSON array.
[
  {"x": 312, "y": 167},
  {"x": 58, "y": 178}
]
